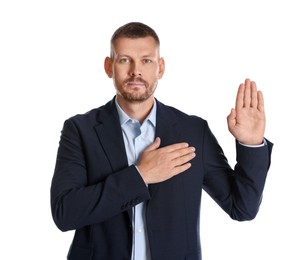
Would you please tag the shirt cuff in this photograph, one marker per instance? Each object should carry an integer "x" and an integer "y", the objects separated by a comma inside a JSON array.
[{"x": 254, "y": 146}]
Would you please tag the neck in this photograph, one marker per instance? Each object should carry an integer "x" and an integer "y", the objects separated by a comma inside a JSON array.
[{"x": 136, "y": 110}]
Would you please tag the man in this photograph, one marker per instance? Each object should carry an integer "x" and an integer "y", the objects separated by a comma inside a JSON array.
[{"x": 129, "y": 175}]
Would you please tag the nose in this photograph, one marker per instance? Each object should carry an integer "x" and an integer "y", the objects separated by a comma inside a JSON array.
[{"x": 135, "y": 69}]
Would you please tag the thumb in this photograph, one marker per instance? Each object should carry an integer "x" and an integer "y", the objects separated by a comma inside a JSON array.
[
  {"x": 231, "y": 118},
  {"x": 154, "y": 145}
]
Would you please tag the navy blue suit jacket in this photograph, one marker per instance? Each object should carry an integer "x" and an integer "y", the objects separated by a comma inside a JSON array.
[{"x": 93, "y": 189}]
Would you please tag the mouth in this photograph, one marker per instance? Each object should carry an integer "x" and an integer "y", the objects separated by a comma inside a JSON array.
[{"x": 135, "y": 82}]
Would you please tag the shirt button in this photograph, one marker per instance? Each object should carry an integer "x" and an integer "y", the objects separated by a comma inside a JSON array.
[{"x": 139, "y": 230}]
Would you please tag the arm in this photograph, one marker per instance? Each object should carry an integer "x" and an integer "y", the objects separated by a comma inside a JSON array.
[
  {"x": 85, "y": 190},
  {"x": 239, "y": 191}
]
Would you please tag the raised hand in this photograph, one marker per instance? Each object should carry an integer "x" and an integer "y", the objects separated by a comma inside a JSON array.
[
  {"x": 247, "y": 121},
  {"x": 160, "y": 164}
]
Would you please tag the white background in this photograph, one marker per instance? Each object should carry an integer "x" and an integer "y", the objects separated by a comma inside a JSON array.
[{"x": 51, "y": 67}]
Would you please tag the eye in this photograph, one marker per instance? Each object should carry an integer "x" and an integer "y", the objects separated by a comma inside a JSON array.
[
  {"x": 124, "y": 60},
  {"x": 146, "y": 61}
]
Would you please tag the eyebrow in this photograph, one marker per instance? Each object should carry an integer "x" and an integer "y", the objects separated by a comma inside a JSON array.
[
  {"x": 147, "y": 56},
  {"x": 144, "y": 56}
]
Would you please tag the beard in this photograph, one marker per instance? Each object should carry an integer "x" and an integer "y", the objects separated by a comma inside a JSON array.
[{"x": 135, "y": 94}]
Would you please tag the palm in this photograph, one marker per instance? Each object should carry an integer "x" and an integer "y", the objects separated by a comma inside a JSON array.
[{"x": 247, "y": 121}]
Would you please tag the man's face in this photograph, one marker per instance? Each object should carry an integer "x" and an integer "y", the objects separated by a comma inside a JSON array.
[{"x": 135, "y": 68}]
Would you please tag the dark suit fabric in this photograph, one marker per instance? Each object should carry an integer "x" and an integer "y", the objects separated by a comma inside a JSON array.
[{"x": 93, "y": 189}]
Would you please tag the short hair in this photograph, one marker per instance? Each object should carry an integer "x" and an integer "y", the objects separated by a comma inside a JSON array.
[{"x": 134, "y": 30}]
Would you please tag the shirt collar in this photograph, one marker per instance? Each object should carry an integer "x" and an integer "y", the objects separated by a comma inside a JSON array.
[{"x": 124, "y": 117}]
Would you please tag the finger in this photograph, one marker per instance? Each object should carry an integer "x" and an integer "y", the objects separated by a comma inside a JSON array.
[
  {"x": 247, "y": 93},
  {"x": 260, "y": 101},
  {"x": 183, "y": 153},
  {"x": 180, "y": 160},
  {"x": 231, "y": 118},
  {"x": 174, "y": 147},
  {"x": 240, "y": 97},
  {"x": 153, "y": 146},
  {"x": 179, "y": 169},
  {"x": 254, "y": 95}
]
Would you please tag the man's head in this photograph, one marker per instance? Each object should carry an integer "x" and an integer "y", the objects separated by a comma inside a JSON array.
[
  {"x": 133, "y": 30},
  {"x": 135, "y": 64}
]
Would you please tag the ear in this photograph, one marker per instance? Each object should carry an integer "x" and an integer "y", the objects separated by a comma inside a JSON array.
[
  {"x": 161, "y": 68},
  {"x": 108, "y": 67}
]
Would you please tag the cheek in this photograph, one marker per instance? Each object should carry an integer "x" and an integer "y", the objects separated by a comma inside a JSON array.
[
  {"x": 119, "y": 75},
  {"x": 153, "y": 74}
]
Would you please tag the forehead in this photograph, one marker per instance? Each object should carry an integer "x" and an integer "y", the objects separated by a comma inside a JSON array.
[{"x": 136, "y": 46}]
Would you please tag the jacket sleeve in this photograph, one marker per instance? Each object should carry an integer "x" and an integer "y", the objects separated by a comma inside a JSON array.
[
  {"x": 237, "y": 191},
  {"x": 74, "y": 202}
]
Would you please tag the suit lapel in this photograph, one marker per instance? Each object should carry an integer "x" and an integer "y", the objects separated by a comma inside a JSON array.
[
  {"x": 166, "y": 129},
  {"x": 166, "y": 125},
  {"x": 110, "y": 136}
]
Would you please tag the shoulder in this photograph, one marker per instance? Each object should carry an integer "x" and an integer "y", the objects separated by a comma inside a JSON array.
[
  {"x": 95, "y": 115},
  {"x": 172, "y": 113}
]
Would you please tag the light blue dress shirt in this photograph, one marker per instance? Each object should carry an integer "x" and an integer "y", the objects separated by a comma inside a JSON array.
[{"x": 136, "y": 138}]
